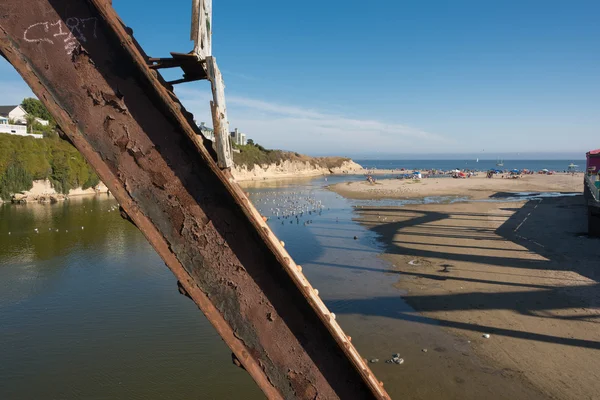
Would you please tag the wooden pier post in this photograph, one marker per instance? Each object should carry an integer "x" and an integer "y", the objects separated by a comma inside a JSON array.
[{"x": 219, "y": 114}]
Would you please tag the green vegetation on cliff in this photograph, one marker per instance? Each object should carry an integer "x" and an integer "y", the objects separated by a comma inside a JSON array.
[
  {"x": 25, "y": 159},
  {"x": 252, "y": 154}
]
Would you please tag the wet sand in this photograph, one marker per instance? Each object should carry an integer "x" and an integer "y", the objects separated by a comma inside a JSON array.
[
  {"x": 522, "y": 272},
  {"x": 476, "y": 187}
]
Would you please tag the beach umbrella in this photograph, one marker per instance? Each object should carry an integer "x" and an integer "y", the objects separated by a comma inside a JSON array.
[
  {"x": 516, "y": 171},
  {"x": 544, "y": 170}
]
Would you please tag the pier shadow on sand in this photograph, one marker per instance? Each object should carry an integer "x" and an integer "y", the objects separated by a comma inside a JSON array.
[
  {"x": 519, "y": 266},
  {"x": 554, "y": 228}
]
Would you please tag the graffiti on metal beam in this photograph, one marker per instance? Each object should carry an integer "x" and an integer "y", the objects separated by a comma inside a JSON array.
[{"x": 79, "y": 30}]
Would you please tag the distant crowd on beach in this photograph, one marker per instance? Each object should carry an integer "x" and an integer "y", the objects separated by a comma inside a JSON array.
[{"x": 456, "y": 173}]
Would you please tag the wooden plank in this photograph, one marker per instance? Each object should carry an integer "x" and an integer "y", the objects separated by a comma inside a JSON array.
[
  {"x": 201, "y": 30},
  {"x": 195, "y": 20},
  {"x": 219, "y": 114},
  {"x": 207, "y": 28}
]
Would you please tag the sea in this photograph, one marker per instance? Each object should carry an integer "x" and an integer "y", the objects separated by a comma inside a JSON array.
[{"x": 481, "y": 165}]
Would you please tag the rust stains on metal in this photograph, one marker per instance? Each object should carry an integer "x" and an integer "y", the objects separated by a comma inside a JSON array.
[{"x": 78, "y": 58}]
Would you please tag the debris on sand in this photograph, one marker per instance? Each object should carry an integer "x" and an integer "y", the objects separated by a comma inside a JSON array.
[{"x": 395, "y": 359}]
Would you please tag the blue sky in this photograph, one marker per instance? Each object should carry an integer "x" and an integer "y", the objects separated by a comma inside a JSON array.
[{"x": 389, "y": 77}]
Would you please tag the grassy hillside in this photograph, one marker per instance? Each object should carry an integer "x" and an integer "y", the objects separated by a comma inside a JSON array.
[
  {"x": 252, "y": 154},
  {"x": 25, "y": 159}
]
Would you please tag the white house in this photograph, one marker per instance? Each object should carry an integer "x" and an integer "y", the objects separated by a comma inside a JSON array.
[
  {"x": 19, "y": 130},
  {"x": 207, "y": 132},
  {"x": 42, "y": 121},
  {"x": 14, "y": 113},
  {"x": 18, "y": 115}
]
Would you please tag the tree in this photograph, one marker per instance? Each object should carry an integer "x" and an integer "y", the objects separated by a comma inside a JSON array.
[
  {"x": 30, "y": 122},
  {"x": 36, "y": 108},
  {"x": 250, "y": 142}
]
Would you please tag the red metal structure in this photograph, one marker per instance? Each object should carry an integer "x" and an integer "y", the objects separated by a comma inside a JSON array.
[
  {"x": 591, "y": 191},
  {"x": 82, "y": 62},
  {"x": 593, "y": 161}
]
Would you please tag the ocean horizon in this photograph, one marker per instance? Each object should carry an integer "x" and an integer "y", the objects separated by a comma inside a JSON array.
[{"x": 472, "y": 164}]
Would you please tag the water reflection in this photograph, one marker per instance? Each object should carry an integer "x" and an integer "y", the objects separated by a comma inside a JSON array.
[{"x": 94, "y": 312}]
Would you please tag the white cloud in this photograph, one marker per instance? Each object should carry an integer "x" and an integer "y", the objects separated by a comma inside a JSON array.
[
  {"x": 239, "y": 75},
  {"x": 311, "y": 131}
]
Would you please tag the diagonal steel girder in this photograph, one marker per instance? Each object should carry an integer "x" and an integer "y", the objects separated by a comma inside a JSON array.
[{"x": 84, "y": 65}]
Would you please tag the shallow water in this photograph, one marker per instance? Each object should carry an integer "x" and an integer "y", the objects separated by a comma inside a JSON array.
[{"x": 88, "y": 310}]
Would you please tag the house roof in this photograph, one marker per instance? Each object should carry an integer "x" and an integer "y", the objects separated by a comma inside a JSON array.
[{"x": 4, "y": 110}]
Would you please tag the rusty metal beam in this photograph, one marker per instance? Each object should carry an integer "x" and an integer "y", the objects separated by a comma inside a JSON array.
[{"x": 83, "y": 64}]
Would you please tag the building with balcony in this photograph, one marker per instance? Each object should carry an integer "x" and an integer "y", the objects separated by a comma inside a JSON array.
[
  {"x": 12, "y": 129},
  {"x": 239, "y": 138}
]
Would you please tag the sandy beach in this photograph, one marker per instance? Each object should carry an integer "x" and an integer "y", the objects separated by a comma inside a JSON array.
[
  {"x": 476, "y": 187},
  {"x": 523, "y": 273}
]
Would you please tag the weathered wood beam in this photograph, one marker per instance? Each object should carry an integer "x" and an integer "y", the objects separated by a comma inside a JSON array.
[
  {"x": 219, "y": 114},
  {"x": 201, "y": 29}
]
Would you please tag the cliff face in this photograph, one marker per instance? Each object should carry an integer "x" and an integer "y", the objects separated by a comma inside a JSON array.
[
  {"x": 254, "y": 162},
  {"x": 43, "y": 192},
  {"x": 293, "y": 169}
]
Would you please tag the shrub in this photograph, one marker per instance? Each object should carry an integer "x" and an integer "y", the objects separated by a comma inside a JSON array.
[{"x": 24, "y": 159}]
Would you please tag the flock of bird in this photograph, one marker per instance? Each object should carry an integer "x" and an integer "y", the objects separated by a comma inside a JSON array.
[
  {"x": 292, "y": 206},
  {"x": 37, "y": 231}
]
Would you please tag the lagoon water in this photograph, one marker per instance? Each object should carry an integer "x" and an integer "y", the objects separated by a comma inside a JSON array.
[{"x": 88, "y": 310}]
